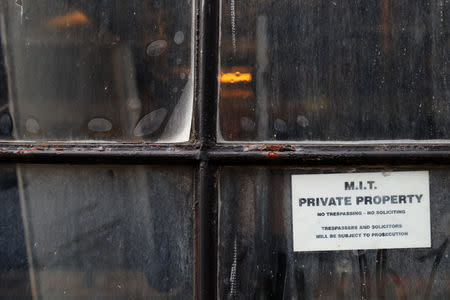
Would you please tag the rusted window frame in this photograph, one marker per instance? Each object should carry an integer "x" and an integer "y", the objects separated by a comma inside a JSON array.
[{"x": 207, "y": 154}]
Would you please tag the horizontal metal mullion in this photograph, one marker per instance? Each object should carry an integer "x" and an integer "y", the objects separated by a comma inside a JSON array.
[
  {"x": 300, "y": 154},
  {"x": 222, "y": 154},
  {"x": 328, "y": 157},
  {"x": 97, "y": 153}
]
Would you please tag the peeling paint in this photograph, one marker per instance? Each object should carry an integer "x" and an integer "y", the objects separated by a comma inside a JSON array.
[{"x": 272, "y": 155}]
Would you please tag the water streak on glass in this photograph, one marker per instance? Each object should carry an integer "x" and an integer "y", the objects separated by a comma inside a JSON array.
[
  {"x": 121, "y": 232},
  {"x": 66, "y": 63},
  {"x": 334, "y": 70}
]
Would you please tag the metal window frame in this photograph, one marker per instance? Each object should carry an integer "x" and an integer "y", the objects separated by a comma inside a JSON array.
[{"x": 208, "y": 155}]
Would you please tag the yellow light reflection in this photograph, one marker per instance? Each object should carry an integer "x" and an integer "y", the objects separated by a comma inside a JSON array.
[
  {"x": 235, "y": 77},
  {"x": 73, "y": 18}
]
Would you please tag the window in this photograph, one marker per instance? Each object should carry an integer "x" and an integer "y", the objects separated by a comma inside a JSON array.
[
  {"x": 147, "y": 147},
  {"x": 333, "y": 71},
  {"x": 109, "y": 70}
]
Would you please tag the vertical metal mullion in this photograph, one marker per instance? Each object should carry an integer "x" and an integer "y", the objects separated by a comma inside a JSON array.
[
  {"x": 206, "y": 251},
  {"x": 207, "y": 66},
  {"x": 207, "y": 108}
]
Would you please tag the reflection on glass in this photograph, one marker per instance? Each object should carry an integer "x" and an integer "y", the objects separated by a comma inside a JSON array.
[
  {"x": 89, "y": 232},
  {"x": 334, "y": 70},
  {"x": 256, "y": 260},
  {"x": 96, "y": 70}
]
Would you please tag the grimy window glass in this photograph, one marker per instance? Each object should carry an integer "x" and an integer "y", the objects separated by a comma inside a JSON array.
[
  {"x": 334, "y": 70},
  {"x": 96, "y": 70},
  {"x": 255, "y": 247},
  {"x": 96, "y": 231},
  {"x": 92, "y": 208}
]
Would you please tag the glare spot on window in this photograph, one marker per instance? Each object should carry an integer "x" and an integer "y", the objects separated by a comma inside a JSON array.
[
  {"x": 179, "y": 37},
  {"x": 150, "y": 122},
  {"x": 99, "y": 125},
  {"x": 32, "y": 126},
  {"x": 156, "y": 48}
]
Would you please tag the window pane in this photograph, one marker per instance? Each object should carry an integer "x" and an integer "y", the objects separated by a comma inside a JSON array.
[
  {"x": 97, "y": 70},
  {"x": 334, "y": 70},
  {"x": 256, "y": 258},
  {"x": 95, "y": 231}
]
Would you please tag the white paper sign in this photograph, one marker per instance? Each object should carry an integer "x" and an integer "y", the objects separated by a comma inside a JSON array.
[{"x": 351, "y": 211}]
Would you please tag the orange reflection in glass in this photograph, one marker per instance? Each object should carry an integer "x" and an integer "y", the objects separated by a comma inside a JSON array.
[
  {"x": 235, "y": 77},
  {"x": 73, "y": 18}
]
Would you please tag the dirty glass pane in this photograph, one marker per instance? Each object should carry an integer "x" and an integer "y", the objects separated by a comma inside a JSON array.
[
  {"x": 96, "y": 70},
  {"x": 256, "y": 260},
  {"x": 334, "y": 70},
  {"x": 121, "y": 232}
]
